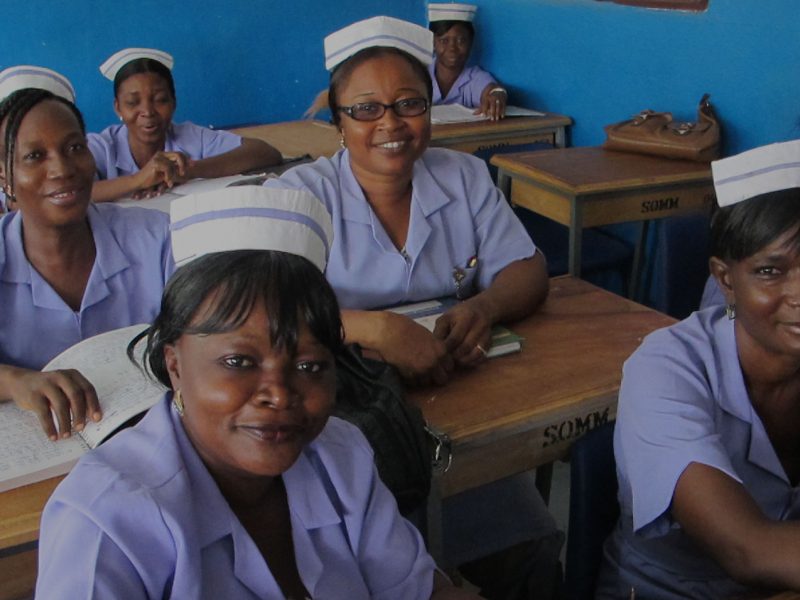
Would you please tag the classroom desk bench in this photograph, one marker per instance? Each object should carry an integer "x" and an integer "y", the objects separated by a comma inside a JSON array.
[
  {"x": 589, "y": 186},
  {"x": 319, "y": 138},
  {"x": 511, "y": 414}
]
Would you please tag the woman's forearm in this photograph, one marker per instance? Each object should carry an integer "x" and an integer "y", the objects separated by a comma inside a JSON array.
[
  {"x": 517, "y": 291},
  {"x": 251, "y": 154}
]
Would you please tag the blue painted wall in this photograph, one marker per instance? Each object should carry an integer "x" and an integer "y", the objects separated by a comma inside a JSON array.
[
  {"x": 236, "y": 61},
  {"x": 241, "y": 61},
  {"x": 600, "y": 62}
]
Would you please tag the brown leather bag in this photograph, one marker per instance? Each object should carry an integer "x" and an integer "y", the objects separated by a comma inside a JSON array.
[{"x": 656, "y": 133}]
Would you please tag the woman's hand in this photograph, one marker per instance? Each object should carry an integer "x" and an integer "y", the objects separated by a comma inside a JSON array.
[
  {"x": 420, "y": 356},
  {"x": 493, "y": 102},
  {"x": 62, "y": 397},
  {"x": 466, "y": 330},
  {"x": 164, "y": 169}
]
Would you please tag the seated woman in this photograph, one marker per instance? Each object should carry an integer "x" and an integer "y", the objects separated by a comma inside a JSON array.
[
  {"x": 147, "y": 153},
  {"x": 706, "y": 442},
  {"x": 30, "y": 76},
  {"x": 453, "y": 81},
  {"x": 238, "y": 484},
  {"x": 68, "y": 269},
  {"x": 412, "y": 224}
]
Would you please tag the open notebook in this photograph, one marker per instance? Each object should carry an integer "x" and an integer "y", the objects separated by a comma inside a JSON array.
[
  {"x": 504, "y": 341},
  {"x": 27, "y": 456},
  {"x": 458, "y": 113}
]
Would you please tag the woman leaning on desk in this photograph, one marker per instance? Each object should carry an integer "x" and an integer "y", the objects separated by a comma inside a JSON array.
[
  {"x": 68, "y": 269},
  {"x": 237, "y": 484},
  {"x": 412, "y": 224},
  {"x": 147, "y": 153},
  {"x": 453, "y": 81},
  {"x": 707, "y": 444}
]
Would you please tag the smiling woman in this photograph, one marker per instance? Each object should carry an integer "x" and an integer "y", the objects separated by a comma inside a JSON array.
[
  {"x": 413, "y": 223},
  {"x": 238, "y": 484},
  {"x": 454, "y": 81},
  {"x": 68, "y": 269},
  {"x": 148, "y": 153},
  {"x": 711, "y": 406}
]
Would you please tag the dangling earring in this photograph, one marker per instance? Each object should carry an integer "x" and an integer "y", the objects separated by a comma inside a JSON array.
[
  {"x": 730, "y": 311},
  {"x": 341, "y": 143},
  {"x": 177, "y": 402}
]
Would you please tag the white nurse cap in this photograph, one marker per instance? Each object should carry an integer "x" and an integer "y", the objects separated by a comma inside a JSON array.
[
  {"x": 28, "y": 76},
  {"x": 250, "y": 218},
  {"x": 378, "y": 31},
  {"x": 116, "y": 61},
  {"x": 755, "y": 172},
  {"x": 450, "y": 11}
]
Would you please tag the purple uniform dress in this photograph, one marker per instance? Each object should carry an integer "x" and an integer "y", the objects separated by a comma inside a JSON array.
[
  {"x": 133, "y": 262},
  {"x": 457, "y": 213},
  {"x": 467, "y": 88},
  {"x": 141, "y": 517},
  {"x": 683, "y": 399},
  {"x": 112, "y": 151}
]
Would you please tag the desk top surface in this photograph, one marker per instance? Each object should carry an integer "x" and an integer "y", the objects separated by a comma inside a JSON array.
[
  {"x": 593, "y": 169},
  {"x": 320, "y": 138},
  {"x": 573, "y": 352}
]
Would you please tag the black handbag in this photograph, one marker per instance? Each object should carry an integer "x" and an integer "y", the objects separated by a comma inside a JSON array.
[{"x": 370, "y": 394}]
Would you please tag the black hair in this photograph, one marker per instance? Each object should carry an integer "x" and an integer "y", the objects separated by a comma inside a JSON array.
[
  {"x": 439, "y": 28},
  {"x": 290, "y": 287},
  {"x": 144, "y": 65},
  {"x": 341, "y": 74},
  {"x": 742, "y": 229},
  {"x": 13, "y": 110}
]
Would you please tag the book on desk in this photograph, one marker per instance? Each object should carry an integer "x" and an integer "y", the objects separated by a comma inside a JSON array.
[
  {"x": 504, "y": 341},
  {"x": 124, "y": 392},
  {"x": 458, "y": 113}
]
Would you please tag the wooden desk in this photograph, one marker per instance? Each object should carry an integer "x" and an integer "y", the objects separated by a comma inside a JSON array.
[
  {"x": 512, "y": 414},
  {"x": 522, "y": 411},
  {"x": 318, "y": 138},
  {"x": 296, "y": 138},
  {"x": 587, "y": 187},
  {"x": 480, "y": 135}
]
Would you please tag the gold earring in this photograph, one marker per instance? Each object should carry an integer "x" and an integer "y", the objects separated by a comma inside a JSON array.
[
  {"x": 341, "y": 142},
  {"x": 177, "y": 402}
]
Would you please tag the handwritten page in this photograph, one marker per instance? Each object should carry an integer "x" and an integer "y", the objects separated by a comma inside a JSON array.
[
  {"x": 122, "y": 388},
  {"x": 26, "y": 455}
]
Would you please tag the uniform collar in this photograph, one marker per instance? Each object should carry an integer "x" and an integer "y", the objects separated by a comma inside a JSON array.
[
  {"x": 735, "y": 400},
  {"x": 426, "y": 193},
  {"x": 309, "y": 504},
  {"x": 109, "y": 260},
  {"x": 463, "y": 79}
]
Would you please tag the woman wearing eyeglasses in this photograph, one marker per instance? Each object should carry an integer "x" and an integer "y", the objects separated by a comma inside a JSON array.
[
  {"x": 413, "y": 223},
  {"x": 453, "y": 81}
]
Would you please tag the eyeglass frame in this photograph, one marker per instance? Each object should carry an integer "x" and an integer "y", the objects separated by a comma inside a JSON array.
[{"x": 348, "y": 110}]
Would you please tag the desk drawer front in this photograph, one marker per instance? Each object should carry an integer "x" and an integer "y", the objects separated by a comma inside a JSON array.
[
  {"x": 624, "y": 207},
  {"x": 470, "y": 144}
]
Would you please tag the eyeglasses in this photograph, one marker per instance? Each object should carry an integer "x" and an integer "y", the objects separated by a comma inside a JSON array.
[{"x": 372, "y": 111}]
